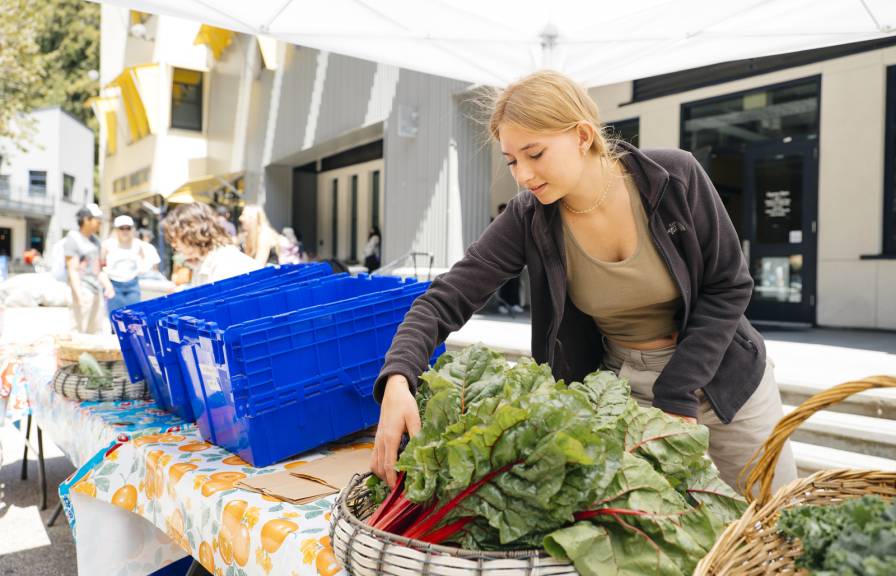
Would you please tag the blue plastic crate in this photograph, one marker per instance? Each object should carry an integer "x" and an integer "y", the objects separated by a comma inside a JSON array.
[
  {"x": 138, "y": 331},
  {"x": 283, "y": 385},
  {"x": 141, "y": 325},
  {"x": 184, "y": 297},
  {"x": 122, "y": 316},
  {"x": 178, "y": 333}
]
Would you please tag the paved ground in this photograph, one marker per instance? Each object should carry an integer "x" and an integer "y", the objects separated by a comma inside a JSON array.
[{"x": 27, "y": 547}]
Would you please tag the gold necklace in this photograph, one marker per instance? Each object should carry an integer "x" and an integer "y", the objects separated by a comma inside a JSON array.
[{"x": 596, "y": 204}]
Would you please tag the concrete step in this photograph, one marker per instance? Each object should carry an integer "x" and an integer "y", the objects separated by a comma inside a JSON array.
[
  {"x": 878, "y": 403},
  {"x": 848, "y": 432},
  {"x": 804, "y": 369},
  {"x": 811, "y": 458}
]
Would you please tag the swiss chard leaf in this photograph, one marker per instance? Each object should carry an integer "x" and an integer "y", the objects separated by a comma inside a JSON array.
[{"x": 507, "y": 457}]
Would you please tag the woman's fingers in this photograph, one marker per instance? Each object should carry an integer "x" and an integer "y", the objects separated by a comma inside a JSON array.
[
  {"x": 412, "y": 421},
  {"x": 389, "y": 457},
  {"x": 375, "y": 466}
]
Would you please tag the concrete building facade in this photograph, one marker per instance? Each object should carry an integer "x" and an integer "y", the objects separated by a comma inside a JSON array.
[
  {"x": 802, "y": 153},
  {"x": 803, "y": 157},
  {"x": 43, "y": 182}
]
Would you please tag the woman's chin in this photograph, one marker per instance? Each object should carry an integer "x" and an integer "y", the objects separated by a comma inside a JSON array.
[{"x": 546, "y": 197}]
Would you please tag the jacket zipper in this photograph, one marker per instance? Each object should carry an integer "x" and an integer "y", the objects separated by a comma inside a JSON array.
[{"x": 666, "y": 257}]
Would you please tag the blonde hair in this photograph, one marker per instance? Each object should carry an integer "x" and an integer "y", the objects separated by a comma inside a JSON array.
[
  {"x": 261, "y": 228},
  {"x": 547, "y": 101}
]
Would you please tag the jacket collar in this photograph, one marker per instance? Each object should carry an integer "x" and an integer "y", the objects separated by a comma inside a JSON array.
[{"x": 650, "y": 177}]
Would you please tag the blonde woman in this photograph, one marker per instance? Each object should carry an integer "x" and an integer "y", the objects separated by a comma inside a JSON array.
[
  {"x": 634, "y": 265},
  {"x": 193, "y": 230},
  {"x": 260, "y": 241}
]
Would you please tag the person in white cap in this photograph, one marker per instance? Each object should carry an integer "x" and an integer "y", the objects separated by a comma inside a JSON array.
[
  {"x": 85, "y": 277},
  {"x": 125, "y": 258}
]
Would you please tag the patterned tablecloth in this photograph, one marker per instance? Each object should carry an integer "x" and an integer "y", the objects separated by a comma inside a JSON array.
[
  {"x": 176, "y": 487},
  {"x": 20, "y": 364},
  {"x": 81, "y": 429},
  {"x": 149, "y": 490}
]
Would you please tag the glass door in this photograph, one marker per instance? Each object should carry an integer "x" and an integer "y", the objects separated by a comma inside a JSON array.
[{"x": 779, "y": 240}]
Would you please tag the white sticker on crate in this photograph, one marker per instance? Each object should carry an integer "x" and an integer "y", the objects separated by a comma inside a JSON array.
[{"x": 209, "y": 377}]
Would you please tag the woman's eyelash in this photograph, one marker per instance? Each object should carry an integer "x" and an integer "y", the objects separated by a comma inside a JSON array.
[{"x": 534, "y": 157}]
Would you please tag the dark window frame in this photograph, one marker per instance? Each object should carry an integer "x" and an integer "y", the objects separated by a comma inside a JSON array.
[
  {"x": 614, "y": 129},
  {"x": 31, "y": 186},
  {"x": 68, "y": 191},
  {"x": 201, "y": 103},
  {"x": 652, "y": 87},
  {"x": 816, "y": 78},
  {"x": 334, "y": 218},
  {"x": 888, "y": 247},
  {"x": 375, "y": 199},
  {"x": 354, "y": 218}
]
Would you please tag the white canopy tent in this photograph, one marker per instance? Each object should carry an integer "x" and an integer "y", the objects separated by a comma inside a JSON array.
[{"x": 597, "y": 42}]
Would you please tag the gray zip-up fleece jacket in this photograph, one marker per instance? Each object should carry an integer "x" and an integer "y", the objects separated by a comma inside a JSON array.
[{"x": 717, "y": 350}]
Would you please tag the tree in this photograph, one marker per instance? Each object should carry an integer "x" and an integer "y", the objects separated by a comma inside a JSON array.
[
  {"x": 68, "y": 34},
  {"x": 21, "y": 68},
  {"x": 47, "y": 51}
]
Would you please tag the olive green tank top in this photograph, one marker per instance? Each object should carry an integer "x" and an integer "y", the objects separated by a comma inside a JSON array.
[{"x": 634, "y": 300}]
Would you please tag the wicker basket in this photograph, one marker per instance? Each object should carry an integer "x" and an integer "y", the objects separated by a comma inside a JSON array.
[
  {"x": 71, "y": 383},
  {"x": 366, "y": 551},
  {"x": 752, "y": 546},
  {"x": 105, "y": 348}
]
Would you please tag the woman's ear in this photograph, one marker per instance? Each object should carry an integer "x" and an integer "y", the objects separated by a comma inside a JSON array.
[{"x": 585, "y": 134}]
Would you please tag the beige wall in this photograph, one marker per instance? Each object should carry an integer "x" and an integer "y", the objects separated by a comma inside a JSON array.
[
  {"x": 850, "y": 291},
  {"x": 17, "y": 227}
]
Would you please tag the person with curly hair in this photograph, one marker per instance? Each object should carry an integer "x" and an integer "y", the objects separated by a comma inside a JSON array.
[{"x": 194, "y": 231}]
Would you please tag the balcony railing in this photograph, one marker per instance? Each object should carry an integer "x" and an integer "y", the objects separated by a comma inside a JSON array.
[{"x": 21, "y": 200}]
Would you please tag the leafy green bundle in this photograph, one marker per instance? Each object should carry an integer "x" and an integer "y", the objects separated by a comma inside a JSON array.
[
  {"x": 853, "y": 538},
  {"x": 98, "y": 377},
  {"x": 509, "y": 458}
]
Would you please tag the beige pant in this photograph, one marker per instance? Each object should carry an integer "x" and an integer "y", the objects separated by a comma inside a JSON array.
[
  {"x": 730, "y": 445},
  {"x": 89, "y": 311}
]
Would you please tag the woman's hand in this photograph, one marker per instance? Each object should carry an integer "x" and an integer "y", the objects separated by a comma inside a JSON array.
[{"x": 398, "y": 413}]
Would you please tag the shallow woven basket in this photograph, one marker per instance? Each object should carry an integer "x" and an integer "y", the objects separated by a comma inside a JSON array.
[
  {"x": 69, "y": 382},
  {"x": 69, "y": 347},
  {"x": 366, "y": 551},
  {"x": 752, "y": 546}
]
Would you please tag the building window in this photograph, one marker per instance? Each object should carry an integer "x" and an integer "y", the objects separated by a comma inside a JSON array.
[
  {"x": 375, "y": 200},
  {"x": 628, "y": 130},
  {"x": 889, "y": 246},
  {"x": 354, "y": 224},
  {"x": 37, "y": 182},
  {"x": 334, "y": 218},
  {"x": 720, "y": 131},
  {"x": 68, "y": 187},
  {"x": 4, "y": 185},
  {"x": 186, "y": 99}
]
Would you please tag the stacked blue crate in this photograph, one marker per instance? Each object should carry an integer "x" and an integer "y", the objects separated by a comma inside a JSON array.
[
  {"x": 179, "y": 332},
  {"x": 282, "y": 384},
  {"x": 137, "y": 327}
]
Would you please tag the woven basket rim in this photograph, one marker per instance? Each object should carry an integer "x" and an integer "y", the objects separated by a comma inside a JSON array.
[
  {"x": 765, "y": 515},
  {"x": 66, "y": 382},
  {"x": 348, "y": 515}
]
